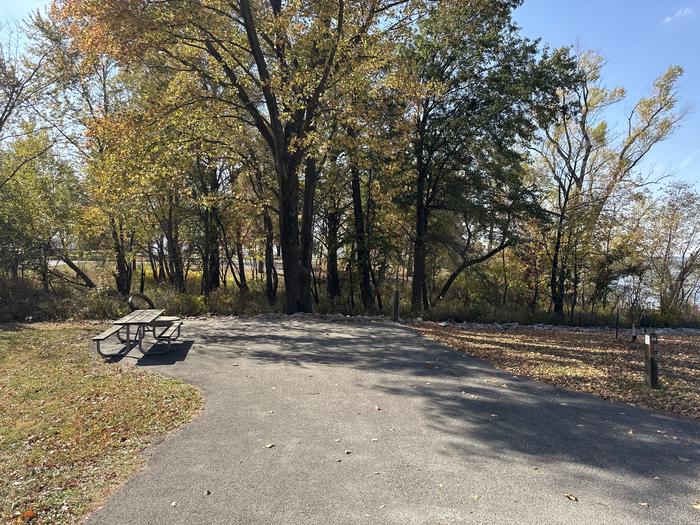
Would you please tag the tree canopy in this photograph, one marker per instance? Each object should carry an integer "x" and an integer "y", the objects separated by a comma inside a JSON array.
[{"x": 334, "y": 151}]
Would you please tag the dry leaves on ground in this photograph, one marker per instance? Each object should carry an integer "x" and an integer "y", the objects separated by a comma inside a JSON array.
[{"x": 592, "y": 362}]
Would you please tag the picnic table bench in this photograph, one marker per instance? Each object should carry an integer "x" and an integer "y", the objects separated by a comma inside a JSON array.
[{"x": 163, "y": 328}]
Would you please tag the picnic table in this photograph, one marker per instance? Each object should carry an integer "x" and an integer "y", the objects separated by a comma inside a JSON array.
[{"x": 143, "y": 321}]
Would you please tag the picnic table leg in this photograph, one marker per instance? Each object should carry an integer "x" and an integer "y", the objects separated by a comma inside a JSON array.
[{"x": 140, "y": 337}]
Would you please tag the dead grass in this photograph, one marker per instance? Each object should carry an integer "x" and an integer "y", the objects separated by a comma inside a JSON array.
[
  {"x": 72, "y": 427},
  {"x": 587, "y": 362}
]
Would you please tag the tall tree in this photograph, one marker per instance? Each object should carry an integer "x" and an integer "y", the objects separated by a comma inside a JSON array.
[
  {"x": 587, "y": 163},
  {"x": 272, "y": 65},
  {"x": 474, "y": 85}
]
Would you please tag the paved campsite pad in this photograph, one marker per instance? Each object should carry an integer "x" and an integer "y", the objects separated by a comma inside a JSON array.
[{"x": 373, "y": 424}]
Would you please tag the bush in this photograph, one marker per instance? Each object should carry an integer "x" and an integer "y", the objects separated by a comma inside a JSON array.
[{"x": 95, "y": 303}]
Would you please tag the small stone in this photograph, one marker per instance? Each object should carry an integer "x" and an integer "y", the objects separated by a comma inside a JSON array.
[
  {"x": 173, "y": 503},
  {"x": 270, "y": 445},
  {"x": 207, "y": 493},
  {"x": 348, "y": 452}
]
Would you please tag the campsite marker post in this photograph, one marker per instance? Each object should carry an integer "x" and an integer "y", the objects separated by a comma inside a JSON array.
[{"x": 651, "y": 359}]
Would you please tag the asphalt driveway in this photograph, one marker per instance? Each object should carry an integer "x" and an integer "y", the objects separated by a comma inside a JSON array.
[{"x": 315, "y": 421}]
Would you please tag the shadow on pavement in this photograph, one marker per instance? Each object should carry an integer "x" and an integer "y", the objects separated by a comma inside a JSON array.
[
  {"x": 483, "y": 412},
  {"x": 158, "y": 354}
]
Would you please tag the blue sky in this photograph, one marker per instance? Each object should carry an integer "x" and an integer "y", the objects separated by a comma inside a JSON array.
[{"x": 638, "y": 38}]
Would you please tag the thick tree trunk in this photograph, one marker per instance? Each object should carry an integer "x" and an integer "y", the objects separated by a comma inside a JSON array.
[
  {"x": 297, "y": 277},
  {"x": 209, "y": 215},
  {"x": 210, "y": 253},
  {"x": 307, "y": 223},
  {"x": 363, "y": 263},
  {"x": 289, "y": 240}
]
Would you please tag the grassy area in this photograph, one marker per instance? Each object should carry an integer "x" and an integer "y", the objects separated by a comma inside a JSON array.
[
  {"x": 71, "y": 427},
  {"x": 592, "y": 362}
]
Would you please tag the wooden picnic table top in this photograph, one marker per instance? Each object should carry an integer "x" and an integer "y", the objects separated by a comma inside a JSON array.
[{"x": 138, "y": 317}]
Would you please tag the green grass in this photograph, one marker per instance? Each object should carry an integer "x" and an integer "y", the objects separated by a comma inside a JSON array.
[{"x": 71, "y": 426}]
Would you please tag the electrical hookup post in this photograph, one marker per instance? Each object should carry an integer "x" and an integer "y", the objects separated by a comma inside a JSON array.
[{"x": 651, "y": 359}]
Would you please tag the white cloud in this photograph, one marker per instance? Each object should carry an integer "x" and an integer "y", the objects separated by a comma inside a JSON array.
[
  {"x": 689, "y": 159},
  {"x": 684, "y": 12}
]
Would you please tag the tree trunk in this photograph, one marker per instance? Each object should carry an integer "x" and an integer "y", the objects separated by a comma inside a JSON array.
[
  {"x": 363, "y": 264},
  {"x": 270, "y": 273},
  {"x": 123, "y": 271},
  {"x": 333, "y": 225},
  {"x": 241, "y": 267},
  {"x": 557, "y": 273},
  {"x": 296, "y": 290},
  {"x": 418, "y": 286},
  {"x": 78, "y": 271}
]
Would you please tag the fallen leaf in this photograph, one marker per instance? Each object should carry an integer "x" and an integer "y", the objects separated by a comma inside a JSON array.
[
  {"x": 28, "y": 515},
  {"x": 428, "y": 365},
  {"x": 476, "y": 498},
  {"x": 570, "y": 496}
]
